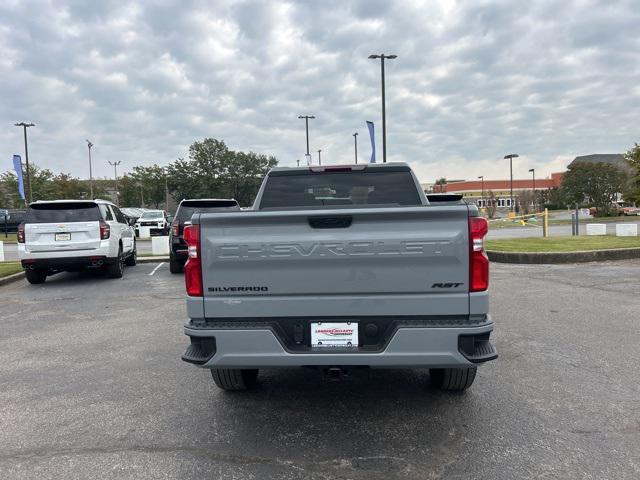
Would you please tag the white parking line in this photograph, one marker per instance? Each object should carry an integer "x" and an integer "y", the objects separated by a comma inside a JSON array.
[{"x": 156, "y": 269}]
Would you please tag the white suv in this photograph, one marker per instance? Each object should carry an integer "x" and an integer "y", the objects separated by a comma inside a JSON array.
[{"x": 71, "y": 235}]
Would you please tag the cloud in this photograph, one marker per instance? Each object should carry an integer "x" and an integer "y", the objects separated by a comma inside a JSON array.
[{"x": 473, "y": 80}]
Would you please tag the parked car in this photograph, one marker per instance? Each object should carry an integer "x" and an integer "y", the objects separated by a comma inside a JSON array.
[
  {"x": 71, "y": 235},
  {"x": 338, "y": 267},
  {"x": 619, "y": 209},
  {"x": 186, "y": 209},
  {"x": 156, "y": 220}
]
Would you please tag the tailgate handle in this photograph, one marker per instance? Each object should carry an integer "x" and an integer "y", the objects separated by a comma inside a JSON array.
[{"x": 342, "y": 221}]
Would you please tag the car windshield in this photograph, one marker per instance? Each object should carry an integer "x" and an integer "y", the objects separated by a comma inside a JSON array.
[
  {"x": 351, "y": 188},
  {"x": 189, "y": 207},
  {"x": 151, "y": 215},
  {"x": 63, "y": 212}
]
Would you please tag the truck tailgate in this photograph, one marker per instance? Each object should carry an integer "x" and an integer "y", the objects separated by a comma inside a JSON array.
[{"x": 339, "y": 262}]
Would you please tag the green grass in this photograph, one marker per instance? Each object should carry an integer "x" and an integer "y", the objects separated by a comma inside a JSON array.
[
  {"x": 562, "y": 244},
  {"x": 9, "y": 268},
  {"x": 11, "y": 238}
]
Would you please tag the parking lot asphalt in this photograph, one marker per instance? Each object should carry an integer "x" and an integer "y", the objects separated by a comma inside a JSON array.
[{"x": 92, "y": 386}]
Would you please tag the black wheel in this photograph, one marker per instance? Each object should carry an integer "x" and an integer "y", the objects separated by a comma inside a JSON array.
[
  {"x": 35, "y": 276},
  {"x": 453, "y": 378},
  {"x": 233, "y": 380},
  {"x": 175, "y": 266},
  {"x": 115, "y": 269},
  {"x": 132, "y": 259}
]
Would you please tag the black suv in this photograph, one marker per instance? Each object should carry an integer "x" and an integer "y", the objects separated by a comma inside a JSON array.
[{"x": 186, "y": 209}]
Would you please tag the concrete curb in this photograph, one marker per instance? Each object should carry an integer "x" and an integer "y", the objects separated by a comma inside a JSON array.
[
  {"x": 563, "y": 257},
  {"x": 153, "y": 259},
  {"x": 14, "y": 277}
]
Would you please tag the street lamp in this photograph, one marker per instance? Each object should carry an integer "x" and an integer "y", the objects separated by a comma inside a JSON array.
[
  {"x": 308, "y": 157},
  {"x": 511, "y": 156},
  {"x": 115, "y": 174},
  {"x": 26, "y": 157},
  {"x": 382, "y": 57},
  {"x": 481, "y": 177},
  {"x": 319, "y": 159},
  {"x": 355, "y": 143},
  {"x": 89, "y": 145},
  {"x": 306, "y": 124},
  {"x": 535, "y": 198}
]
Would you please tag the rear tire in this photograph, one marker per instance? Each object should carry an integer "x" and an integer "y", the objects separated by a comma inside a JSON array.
[
  {"x": 115, "y": 269},
  {"x": 453, "y": 379},
  {"x": 175, "y": 266},
  {"x": 35, "y": 277},
  {"x": 234, "y": 380},
  {"x": 132, "y": 259}
]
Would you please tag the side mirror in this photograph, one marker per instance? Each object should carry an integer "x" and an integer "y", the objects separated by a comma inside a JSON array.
[{"x": 132, "y": 222}]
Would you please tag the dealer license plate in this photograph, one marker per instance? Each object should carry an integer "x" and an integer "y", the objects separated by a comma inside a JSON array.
[
  {"x": 63, "y": 237},
  {"x": 343, "y": 335}
]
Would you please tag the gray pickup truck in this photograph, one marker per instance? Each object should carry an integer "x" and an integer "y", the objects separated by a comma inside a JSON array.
[{"x": 339, "y": 267}]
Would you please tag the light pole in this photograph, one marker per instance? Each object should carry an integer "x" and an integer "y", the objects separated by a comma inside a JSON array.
[
  {"x": 89, "y": 145},
  {"x": 319, "y": 159},
  {"x": 141, "y": 196},
  {"x": 511, "y": 156},
  {"x": 382, "y": 57},
  {"x": 481, "y": 177},
  {"x": 298, "y": 162},
  {"x": 308, "y": 157},
  {"x": 535, "y": 198},
  {"x": 355, "y": 144},
  {"x": 26, "y": 157},
  {"x": 306, "y": 124},
  {"x": 115, "y": 174}
]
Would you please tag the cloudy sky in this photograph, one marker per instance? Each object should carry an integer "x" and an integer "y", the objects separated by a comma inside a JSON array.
[{"x": 473, "y": 81}]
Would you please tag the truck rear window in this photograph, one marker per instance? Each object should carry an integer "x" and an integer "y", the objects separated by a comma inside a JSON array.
[
  {"x": 349, "y": 188},
  {"x": 189, "y": 207},
  {"x": 63, "y": 212}
]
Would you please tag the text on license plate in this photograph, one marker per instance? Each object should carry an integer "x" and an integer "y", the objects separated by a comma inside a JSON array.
[
  {"x": 62, "y": 237},
  {"x": 344, "y": 334}
]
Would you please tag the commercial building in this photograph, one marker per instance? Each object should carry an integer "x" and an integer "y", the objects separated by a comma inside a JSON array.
[{"x": 479, "y": 192}]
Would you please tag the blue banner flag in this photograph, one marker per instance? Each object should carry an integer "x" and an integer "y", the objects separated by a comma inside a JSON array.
[
  {"x": 373, "y": 141},
  {"x": 17, "y": 165}
]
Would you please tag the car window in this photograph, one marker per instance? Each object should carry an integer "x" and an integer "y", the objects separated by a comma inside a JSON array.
[
  {"x": 106, "y": 212},
  {"x": 151, "y": 215},
  {"x": 63, "y": 212},
  {"x": 353, "y": 188},
  {"x": 119, "y": 216},
  {"x": 189, "y": 207}
]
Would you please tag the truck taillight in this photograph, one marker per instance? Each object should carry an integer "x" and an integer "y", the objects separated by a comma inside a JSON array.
[
  {"x": 193, "y": 267},
  {"x": 175, "y": 227},
  {"x": 105, "y": 230},
  {"x": 478, "y": 260},
  {"x": 21, "y": 233}
]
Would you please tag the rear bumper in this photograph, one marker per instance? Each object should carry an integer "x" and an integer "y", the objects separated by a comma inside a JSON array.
[
  {"x": 68, "y": 263},
  {"x": 408, "y": 347}
]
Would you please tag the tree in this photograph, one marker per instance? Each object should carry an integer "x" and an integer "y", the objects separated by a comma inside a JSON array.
[
  {"x": 526, "y": 199},
  {"x": 554, "y": 198},
  {"x": 214, "y": 171},
  {"x": 491, "y": 204},
  {"x": 594, "y": 184},
  {"x": 632, "y": 191}
]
